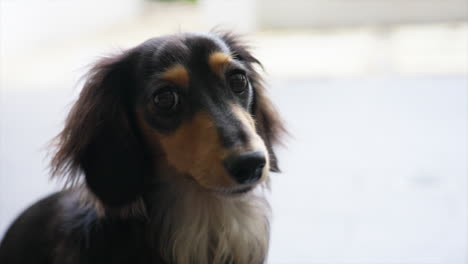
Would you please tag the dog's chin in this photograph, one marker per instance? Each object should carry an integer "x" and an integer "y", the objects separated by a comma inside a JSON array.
[{"x": 233, "y": 192}]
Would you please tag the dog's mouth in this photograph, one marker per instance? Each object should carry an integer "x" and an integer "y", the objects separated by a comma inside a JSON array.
[
  {"x": 236, "y": 191},
  {"x": 224, "y": 191}
]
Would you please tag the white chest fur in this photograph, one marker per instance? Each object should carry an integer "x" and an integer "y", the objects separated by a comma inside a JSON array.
[{"x": 201, "y": 227}]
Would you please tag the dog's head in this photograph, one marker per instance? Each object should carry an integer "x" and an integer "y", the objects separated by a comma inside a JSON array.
[{"x": 191, "y": 103}]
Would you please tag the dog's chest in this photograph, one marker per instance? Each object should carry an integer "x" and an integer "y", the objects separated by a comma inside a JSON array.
[{"x": 221, "y": 231}]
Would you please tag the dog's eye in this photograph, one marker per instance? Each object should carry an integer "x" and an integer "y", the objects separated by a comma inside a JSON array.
[
  {"x": 238, "y": 82},
  {"x": 166, "y": 100}
]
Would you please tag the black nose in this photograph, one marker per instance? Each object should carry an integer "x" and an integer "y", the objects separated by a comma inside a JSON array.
[{"x": 246, "y": 167}]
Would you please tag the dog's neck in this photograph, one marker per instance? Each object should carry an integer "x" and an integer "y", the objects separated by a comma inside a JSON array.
[{"x": 196, "y": 226}]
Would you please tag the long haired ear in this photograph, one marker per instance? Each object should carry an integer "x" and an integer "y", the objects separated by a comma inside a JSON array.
[
  {"x": 269, "y": 124},
  {"x": 100, "y": 139}
]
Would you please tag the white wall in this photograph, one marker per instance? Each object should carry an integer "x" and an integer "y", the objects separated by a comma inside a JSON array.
[
  {"x": 238, "y": 15},
  {"x": 30, "y": 23},
  {"x": 304, "y": 13}
]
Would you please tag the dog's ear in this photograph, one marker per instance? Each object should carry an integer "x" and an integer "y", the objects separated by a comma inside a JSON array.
[
  {"x": 268, "y": 122},
  {"x": 100, "y": 138}
]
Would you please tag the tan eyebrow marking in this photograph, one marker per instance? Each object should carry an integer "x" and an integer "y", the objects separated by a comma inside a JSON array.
[
  {"x": 218, "y": 61},
  {"x": 177, "y": 74}
]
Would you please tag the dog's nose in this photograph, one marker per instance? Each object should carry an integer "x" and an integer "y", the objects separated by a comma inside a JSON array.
[{"x": 247, "y": 167}]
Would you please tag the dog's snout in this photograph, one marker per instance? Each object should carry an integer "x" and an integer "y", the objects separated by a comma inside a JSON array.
[{"x": 247, "y": 167}]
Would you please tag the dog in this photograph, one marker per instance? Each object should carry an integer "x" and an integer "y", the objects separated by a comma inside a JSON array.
[{"x": 166, "y": 155}]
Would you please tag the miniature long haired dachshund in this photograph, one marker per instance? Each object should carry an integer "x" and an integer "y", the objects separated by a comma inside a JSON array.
[{"x": 167, "y": 153}]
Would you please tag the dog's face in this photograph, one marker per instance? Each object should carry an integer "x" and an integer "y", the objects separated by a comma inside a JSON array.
[
  {"x": 196, "y": 107},
  {"x": 191, "y": 103}
]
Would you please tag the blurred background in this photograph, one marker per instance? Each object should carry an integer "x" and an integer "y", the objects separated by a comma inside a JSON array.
[{"x": 374, "y": 93}]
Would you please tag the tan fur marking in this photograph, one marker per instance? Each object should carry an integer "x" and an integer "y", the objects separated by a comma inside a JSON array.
[
  {"x": 218, "y": 61},
  {"x": 194, "y": 149},
  {"x": 176, "y": 74}
]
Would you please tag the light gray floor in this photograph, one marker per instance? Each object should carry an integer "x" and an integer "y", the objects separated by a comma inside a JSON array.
[{"x": 375, "y": 170}]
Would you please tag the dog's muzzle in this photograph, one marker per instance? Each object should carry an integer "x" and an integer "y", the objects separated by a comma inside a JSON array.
[{"x": 246, "y": 168}]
